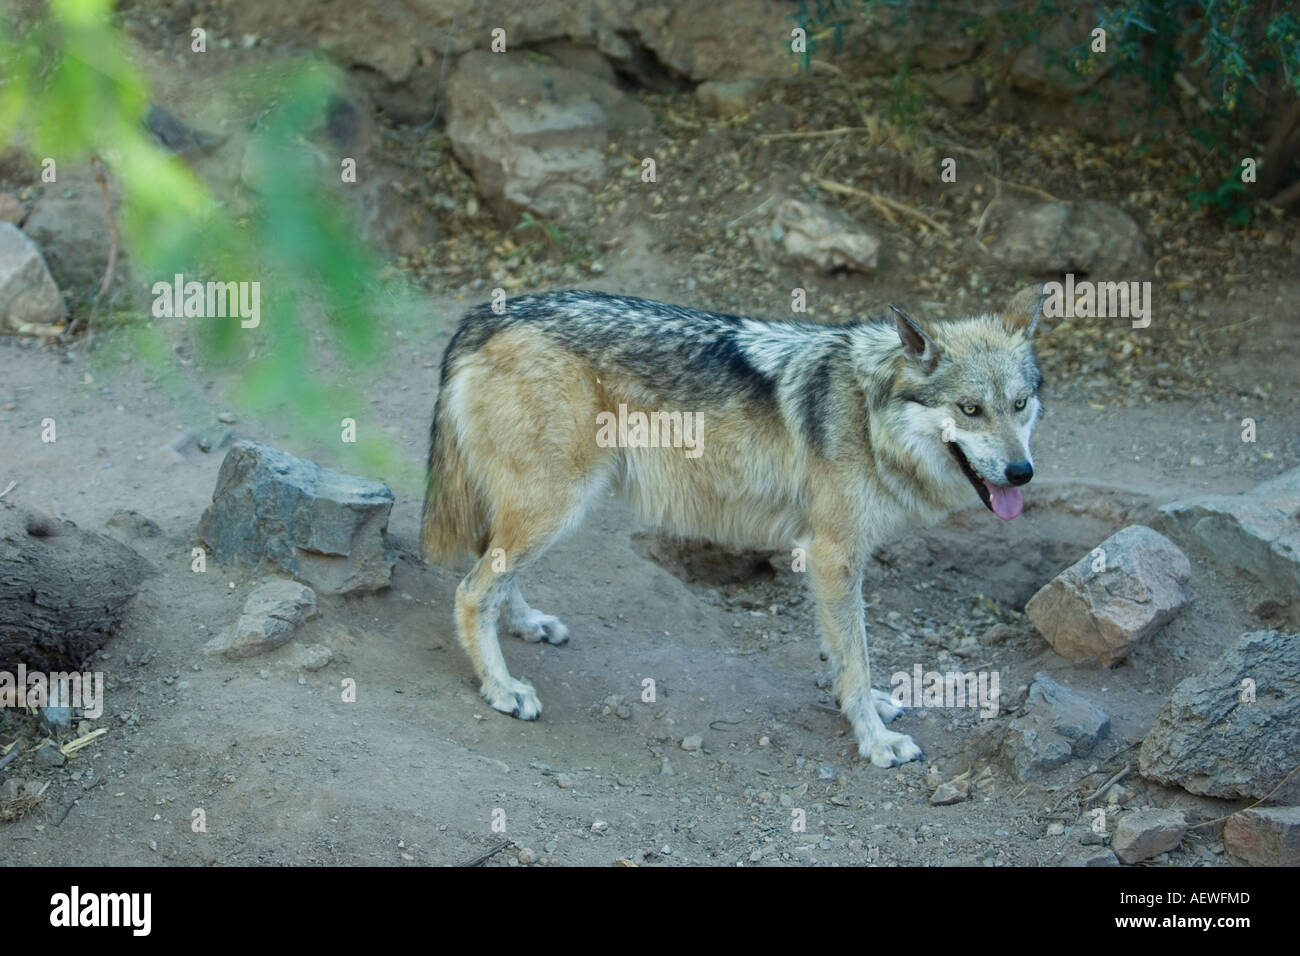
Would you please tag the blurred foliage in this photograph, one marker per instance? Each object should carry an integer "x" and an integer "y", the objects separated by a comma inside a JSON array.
[
  {"x": 1231, "y": 43},
  {"x": 67, "y": 91}
]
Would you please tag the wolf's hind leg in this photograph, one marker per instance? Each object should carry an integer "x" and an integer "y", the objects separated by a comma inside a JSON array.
[
  {"x": 522, "y": 529},
  {"x": 478, "y": 604},
  {"x": 530, "y": 624}
]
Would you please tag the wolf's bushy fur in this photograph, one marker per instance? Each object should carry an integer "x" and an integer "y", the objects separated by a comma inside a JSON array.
[{"x": 832, "y": 438}]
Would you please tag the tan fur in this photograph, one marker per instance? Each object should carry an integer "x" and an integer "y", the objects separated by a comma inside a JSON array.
[{"x": 516, "y": 464}]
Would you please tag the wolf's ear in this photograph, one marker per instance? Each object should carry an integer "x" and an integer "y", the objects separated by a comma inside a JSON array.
[
  {"x": 1025, "y": 308},
  {"x": 917, "y": 341}
]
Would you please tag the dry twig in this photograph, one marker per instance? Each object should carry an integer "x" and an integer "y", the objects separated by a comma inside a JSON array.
[{"x": 883, "y": 203}]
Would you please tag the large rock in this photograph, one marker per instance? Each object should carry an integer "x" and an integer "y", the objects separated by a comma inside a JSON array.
[
  {"x": 531, "y": 136},
  {"x": 803, "y": 234},
  {"x": 1057, "y": 725},
  {"x": 1142, "y": 834},
  {"x": 315, "y": 524},
  {"x": 1257, "y": 532},
  {"x": 28, "y": 295},
  {"x": 271, "y": 614},
  {"x": 1103, "y": 604},
  {"x": 1223, "y": 737},
  {"x": 69, "y": 224},
  {"x": 726, "y": 39},
  {"x": 402, "y": 44},
  {"x": 1264, "y": 836},
  {"x": 1046, "y": 66},
  {"x": 1086, "y": 237}
]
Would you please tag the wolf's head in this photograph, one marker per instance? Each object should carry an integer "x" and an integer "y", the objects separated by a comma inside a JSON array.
[{"x": 970, "y": 394}]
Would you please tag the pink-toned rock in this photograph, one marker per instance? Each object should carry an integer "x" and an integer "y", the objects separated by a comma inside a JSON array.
[
  {"x": 1264, "y": 836},
  {"x": 1103, "y": 604}
]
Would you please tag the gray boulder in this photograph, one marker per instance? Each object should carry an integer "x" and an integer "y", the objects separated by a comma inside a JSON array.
[
  {"x": 1223, "y": 737},
  {"x": 727, "y": 39},
  {"x": 1057, "y": 725},
  {"x": 1108, "y": 600},
  {"x": 1142, "y": 834},
  {"x": 804, "y": 234},
  {"x": 1080, "y": 237},
  {"x": 68, "y": 222},
  {"x": 28, "y": 295},
  {"x": 317, "y": 525},
  {"x": 532, "y": 134},
  {"x": 1257, "y": 533},
  {"x": 403, "y": 42}
]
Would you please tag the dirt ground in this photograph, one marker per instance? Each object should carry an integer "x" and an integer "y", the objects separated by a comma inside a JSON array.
[
  {"x": 415, "y": 771},
  {"x": 412, "y": 772}
]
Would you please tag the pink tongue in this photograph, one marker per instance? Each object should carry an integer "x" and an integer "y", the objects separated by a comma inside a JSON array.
[{"x": 1007, "y": 502}]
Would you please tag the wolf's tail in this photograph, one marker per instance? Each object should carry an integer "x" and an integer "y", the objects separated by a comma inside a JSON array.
[{"x": 456, "y": 520}]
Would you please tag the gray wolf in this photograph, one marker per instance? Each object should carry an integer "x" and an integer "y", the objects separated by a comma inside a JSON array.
[{"x": 834, "y": 439}]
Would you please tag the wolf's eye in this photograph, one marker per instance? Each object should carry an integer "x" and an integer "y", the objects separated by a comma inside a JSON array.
[
  {"x": 1020, "y": 405},
  {"x": 971, "y": 410}
]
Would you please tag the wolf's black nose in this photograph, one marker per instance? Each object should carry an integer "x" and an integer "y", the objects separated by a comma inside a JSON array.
[{"x": 1019, "y": 472}]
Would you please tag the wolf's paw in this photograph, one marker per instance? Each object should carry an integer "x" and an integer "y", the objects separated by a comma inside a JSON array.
[
  {"x": 888, "y": 749},
  {"x": 885, "y": 705},
  {"x": 537, "y": 626},
  {"x": 513, "y": 697}
]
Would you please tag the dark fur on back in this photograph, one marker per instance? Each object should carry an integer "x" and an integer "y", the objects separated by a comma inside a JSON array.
[
  {"x": 685, "y": 355},
  {"x": 676, "y": 348}
]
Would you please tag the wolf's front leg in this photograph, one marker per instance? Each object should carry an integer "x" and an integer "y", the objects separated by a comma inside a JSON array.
[{"x": 837, "y": 584}]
